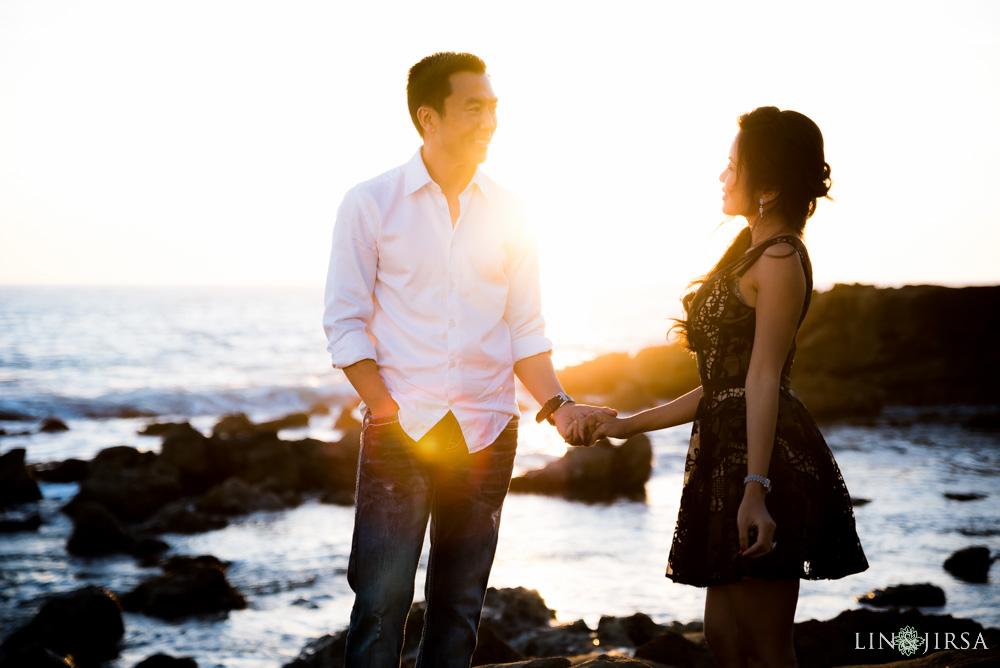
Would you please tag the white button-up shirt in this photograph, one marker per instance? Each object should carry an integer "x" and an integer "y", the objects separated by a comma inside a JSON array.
[{"x": 444, "y": 311}]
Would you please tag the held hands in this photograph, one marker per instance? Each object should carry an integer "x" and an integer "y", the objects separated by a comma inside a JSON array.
[
  {"x": 572, "y": 422},
  {"x": 753, "y": 514}
]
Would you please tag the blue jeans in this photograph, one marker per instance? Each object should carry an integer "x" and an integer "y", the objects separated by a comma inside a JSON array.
[{"x": 402, "y": 482}]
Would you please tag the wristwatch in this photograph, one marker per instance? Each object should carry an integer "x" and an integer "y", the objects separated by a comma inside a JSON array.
[{"x": 552, "y": 405}]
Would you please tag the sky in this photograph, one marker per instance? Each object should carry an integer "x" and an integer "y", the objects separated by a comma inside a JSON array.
[{"x": 210, "y": 142}]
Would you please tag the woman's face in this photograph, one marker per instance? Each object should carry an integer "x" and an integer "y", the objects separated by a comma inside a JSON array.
[{"x": 736, "y": 200}]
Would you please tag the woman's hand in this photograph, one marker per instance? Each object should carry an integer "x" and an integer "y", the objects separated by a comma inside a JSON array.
[
  {"x": 753, "y": 513},
  {"x": 600, "y": 425}
]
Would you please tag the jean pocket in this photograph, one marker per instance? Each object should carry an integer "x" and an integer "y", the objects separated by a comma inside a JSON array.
[{"x": 380, "y": 420}]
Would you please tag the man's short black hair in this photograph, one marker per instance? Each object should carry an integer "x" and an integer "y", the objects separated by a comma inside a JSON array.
[{"x": 428, "y": 84}]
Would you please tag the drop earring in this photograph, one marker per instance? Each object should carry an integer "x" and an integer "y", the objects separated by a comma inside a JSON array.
[{"x": 761, "y": 209}]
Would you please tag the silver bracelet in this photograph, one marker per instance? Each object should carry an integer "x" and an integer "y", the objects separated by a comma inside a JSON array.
[{"x": 764, "y": 482}]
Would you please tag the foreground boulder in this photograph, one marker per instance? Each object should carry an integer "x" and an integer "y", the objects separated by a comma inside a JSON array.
[
  {"x": 628, "y": 631},
  {"x": 599, "y": 473},
  {"x": 96, "y": 531},
  {"x": 971, "y": 564},
  {"x": 17, "y": 485},
  {"x": 674, "y": 649},
  {"x": 86, "y": 624},
  {"x": 189, "y": 586},
  {"x": 906, "y": 595}
]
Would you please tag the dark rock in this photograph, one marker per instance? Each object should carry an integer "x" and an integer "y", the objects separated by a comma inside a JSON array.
[
  {"x": 510, "y": 612},
  {"x": 605, "y": 661},
  {"x": 602, "y": 472},
  {"x": 186, "y": 450},
  {"x": 188, "y": 587},
  {"x": 971, "y": 564},
  {"x": 628, "y": 631},
  {"x": 166, "y": 661},
  {"x": 570, "y": 639},
  {"x": 293, "y": 421},
  {"x": 959, "y": 496},
  {"x": 906, "y": 595},
  {"x": 131, "y": 484},
  {"x": 330, "y": 467},
  {"x": 181, "y": 517},
  {"x": 86, "y": 623},
  {"x": 13, "y": 416},
  {"x": 160, "y": 428},
  {"x": 52, "y": 424},
  {"x": 237, "y": 497},
  {"x": 16, "y": 524},
  {"x": 234, "y": 425},
  {"x": 325, "y": 652},
  {"x": 974, "y": 532},
  {"x": 16, "y": 482},
  {"x": 492, "y": 649},
  {"x": 675, "y": 650},
  {"x": 834, "y": 642},
  {"x": 96, "y": 531},
  {"x": 984, "y": 421},
  {"x": 859, "y": 502},
  {"x": 71, "y": 470},
  {"x": 34, "y": 655},
  {"x": 549, "y": 662}
]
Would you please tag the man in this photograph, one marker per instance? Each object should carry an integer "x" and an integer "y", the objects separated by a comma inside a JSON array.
[{"x": 432, "y": 308}]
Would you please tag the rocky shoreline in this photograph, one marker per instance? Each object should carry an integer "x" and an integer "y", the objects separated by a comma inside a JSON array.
[{"x": 196, "y": 483}]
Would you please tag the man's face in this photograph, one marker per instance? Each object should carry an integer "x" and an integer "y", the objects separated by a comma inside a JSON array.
[{"x": 465, "y": 129}]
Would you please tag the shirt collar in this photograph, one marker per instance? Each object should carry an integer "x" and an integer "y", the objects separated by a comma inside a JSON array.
[{"x": 417, "y": 176}]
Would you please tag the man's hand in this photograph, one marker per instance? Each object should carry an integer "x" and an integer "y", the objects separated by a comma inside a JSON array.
[{"x": 571, "y": 422}]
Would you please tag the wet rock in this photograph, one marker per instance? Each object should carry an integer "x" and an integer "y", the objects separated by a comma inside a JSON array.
[
  {"x": 14, "y": 416},
  {"x": 237, "y": 497},
  {"x": 905, "y": 595},
  {"x": 52, "y": 425},
  {"x": 513, "y": 611},
  {"x": 18, "y": 523},
  {"x": 146, "y": 548},
  {"x": 325, "y": 652},
  {"x": 330, "y": 467},
  {"x": 16, "y": 482},
  {"x": 960, "y": 496},
  {"x": 86, "y": 623},
  {"x": 181, "y": 517},
  {"x": 858, "y": 502},
  {"x": 71, "y": 470},
  {"x": 674, "y": 649},
  {"x": 971, "y": 564},
  {"x": 602, "y": 472},
  {"x": 97, "y": 531},
  {"x": 628, "y": 631},
  {"x": 292, "y": 421},
  {"x": 234, "y": 425},
  {"x": 166, "y": 661},
  {"x": 187, "y": 587},
  {"x": 835, "y": 642},
  {"x": 131, "y": 484}
]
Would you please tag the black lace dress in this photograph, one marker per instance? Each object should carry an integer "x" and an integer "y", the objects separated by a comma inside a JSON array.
[{"x": 816, "y": 536}]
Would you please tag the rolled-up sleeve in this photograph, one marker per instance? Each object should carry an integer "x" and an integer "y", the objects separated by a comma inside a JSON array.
[
  {"x": 350, "y": 282},
  {"x": 523, "y": 311}
]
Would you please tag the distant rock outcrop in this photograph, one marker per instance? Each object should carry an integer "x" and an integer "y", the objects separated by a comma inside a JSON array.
[{"x": 859, "y": 348}]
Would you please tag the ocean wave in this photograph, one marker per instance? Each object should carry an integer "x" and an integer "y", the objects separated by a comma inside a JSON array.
[{"x": 262, "y": 401}]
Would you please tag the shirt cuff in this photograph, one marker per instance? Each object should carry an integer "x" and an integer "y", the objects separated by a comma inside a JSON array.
[
  {"x": 351, "y": 349},
  {"x": 530, "y": 345}
]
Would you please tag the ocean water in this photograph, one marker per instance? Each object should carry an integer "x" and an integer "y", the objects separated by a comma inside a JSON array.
[{"x": 110, "y": 360}]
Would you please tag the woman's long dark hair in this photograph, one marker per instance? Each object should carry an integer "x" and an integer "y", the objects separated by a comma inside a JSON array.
[{"x": 780, "y": 151}]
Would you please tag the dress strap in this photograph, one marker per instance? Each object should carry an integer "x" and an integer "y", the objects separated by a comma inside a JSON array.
[{"x": 744, "y": 263}]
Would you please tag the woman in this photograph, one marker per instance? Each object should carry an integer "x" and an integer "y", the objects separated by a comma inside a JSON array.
[{"x": 764, "y": 503}]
